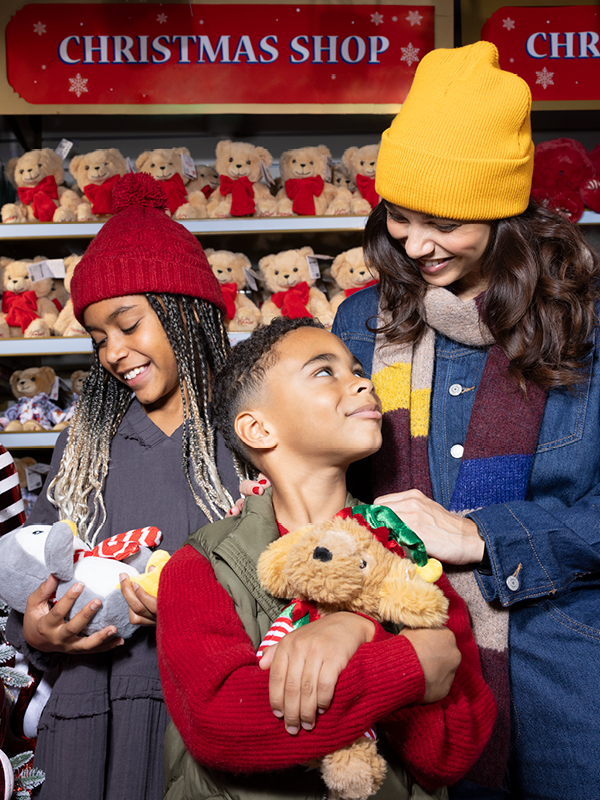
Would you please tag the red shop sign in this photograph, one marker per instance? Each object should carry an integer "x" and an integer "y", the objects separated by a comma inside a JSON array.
[
  {"x": 216, "y": 53},
  {"x": 555, "y": 49}
]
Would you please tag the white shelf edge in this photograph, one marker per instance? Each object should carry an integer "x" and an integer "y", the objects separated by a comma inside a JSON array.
[
  {"x": 589, "y": 218},
  {"x": 18, "y": 441},
  {"x": 55, "y": 346}
]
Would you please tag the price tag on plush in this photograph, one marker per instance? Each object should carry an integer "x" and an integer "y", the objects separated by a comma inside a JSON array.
[
  {"x": 130, "y": 165},
  {"x": 35, "y": 476},
  {"x": 250, "y": 279},
  {"x": 64, "y": 148},
  {"x": 313, "y": 264},
  {"x": 266, "y": 174},
  {"x": 188, "y": 166},
  {"x": 51, "y": 268}
]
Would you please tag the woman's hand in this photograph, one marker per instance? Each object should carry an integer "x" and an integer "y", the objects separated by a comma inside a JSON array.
[
  {"x": 306, "y": 664},
  {"x": 447, "y": 537},
  {"x": 248, "y": 488},
  {"x": 46, "y": 629},
  {"x": 142, "y": 606}
]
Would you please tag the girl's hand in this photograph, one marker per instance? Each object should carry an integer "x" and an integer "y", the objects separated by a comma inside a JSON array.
[
  {"x": 447, "y": 537},
  {"x": 46, "y": 629},
  {"x": 248, "y": 488},
  {"x": 142, "y": 606},
  {"x": 306, "y": 664},
  {"x": 439, "y": 658}
]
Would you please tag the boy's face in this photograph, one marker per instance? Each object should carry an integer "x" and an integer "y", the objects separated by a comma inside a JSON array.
[{"x": 318, "y": 401}]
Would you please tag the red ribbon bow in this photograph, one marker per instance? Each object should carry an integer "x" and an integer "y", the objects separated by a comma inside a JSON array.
[
  {"x": 207, "y": 190},
  {"x": 175, "y": 190},
  {"x": 293, "y": 301},
  {"x": 242, "y": 195},
  {"x": 302, "y": 608},
  {"x": 303, "y": 192},
  {"x": 40, "y": 198},
  {"x": 229, "y": 292},
  {"x": 355, "y": 289},
  {"x": 20, "y": 309},
  {"x": 100, "y": 195},
  {"x": 366, "y": 186}
]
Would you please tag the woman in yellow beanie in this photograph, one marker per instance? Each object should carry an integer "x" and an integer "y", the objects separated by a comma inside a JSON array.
[{"x": 482, "y": 340}]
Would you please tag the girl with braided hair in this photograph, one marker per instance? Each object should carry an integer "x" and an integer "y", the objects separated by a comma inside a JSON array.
[{"x": 141, "y": 450}]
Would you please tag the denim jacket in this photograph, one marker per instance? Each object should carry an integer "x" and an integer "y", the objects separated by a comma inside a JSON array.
[{"x": 544, "y": 553}]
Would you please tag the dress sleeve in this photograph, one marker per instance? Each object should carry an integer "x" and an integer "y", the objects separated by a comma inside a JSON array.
[{"x": 210, "y": 675}]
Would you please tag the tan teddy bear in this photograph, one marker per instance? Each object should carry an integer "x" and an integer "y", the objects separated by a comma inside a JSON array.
[
  {"x": 287, "y": 277},
  {"x": 241, "y": 192},
  {"x": 26, "y": 308},
  {"x": 96, "y": 174},
  {"x": 356, "y": 562},
  {"x": 305, "y": 191},
  {"x": 206, "y": 180},
  {"x": 228, "y": 268},
  {"x": 34, "y": 410},
  {"x": 66, "y": 324},
  {"x": 166, "y": 166},
  {"x": 351, "y": 275},
  {"x": 38, "y": 176},
  {"x": 361, "y": 163},
  {"x": 341, "y": 177}
]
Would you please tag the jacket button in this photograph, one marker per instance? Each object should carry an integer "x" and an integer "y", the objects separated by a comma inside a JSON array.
[
  {"x": 455, "y": 389},
  {"x": 457, "y": 450},
  {"x": 512, "y": 582}
]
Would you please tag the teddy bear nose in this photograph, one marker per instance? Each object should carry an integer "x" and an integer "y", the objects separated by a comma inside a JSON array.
[{"x": 322, "y": 554}]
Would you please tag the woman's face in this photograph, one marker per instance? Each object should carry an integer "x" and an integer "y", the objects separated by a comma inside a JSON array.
[
  {"x": 133, "y": 347},
  {"x": 446, "y": 251}
]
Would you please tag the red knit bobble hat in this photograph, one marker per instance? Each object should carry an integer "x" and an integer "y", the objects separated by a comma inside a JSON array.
[{"x": 142, "y": 250}]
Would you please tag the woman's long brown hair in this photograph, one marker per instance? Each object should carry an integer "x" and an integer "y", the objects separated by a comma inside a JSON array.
[{"x": 544, "y": 282}]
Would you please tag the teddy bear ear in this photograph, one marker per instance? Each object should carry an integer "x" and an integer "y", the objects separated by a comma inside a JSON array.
[
  {"x": 181, "y": 151},
  {"x": 14, "y": 378},
  {"x": 264, "y": 156},
  {"x": 118, "y": 157},
  {"x": 10, "y": 170},
  {"x": 323, "y": 150},
  {"x": 271, "y": 564},
  {"x": 74, "y": 165},
  {"x": 223, "y": 147},
  {"x": 305, "y": 251},
  {"x": 56, "y": 164},
  {"x": 208, "y": 251},
  {"x": 337, "y": 264},
  {"x": 265, "y": 262},
  {"x": 48, "y": 373},
  {"x": 142, "y": 159},
  {"x": 242, "y": 257},
  {"x": 349, "y": 153}
]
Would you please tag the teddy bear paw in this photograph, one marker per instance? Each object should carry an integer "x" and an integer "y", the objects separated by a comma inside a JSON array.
[{"x": 64, "y": 214}]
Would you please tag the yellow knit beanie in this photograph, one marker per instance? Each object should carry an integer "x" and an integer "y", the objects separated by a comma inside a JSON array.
[{"x": 461, "y": 145}]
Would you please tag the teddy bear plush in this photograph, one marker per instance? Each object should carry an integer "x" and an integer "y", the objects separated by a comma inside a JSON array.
[
  {"x": 293, "y": 293},
  {"x": 166, "y": 166},
  {"x": 34, "y": 410},
  {"x": 66, "y": 324},
  {"x": 241, "y": 192},
  {"x": 27, "y": 309},
  {"x": 304, "y": 190},
  {"x": 206, "y": 180},
  {"x": 30, "y": 553},
  {"x": 351, "y": 274},
  {"x": 77, "y": 380},
  {"x": 365, "y": 560},
  {"x": 361, "y": 163},
  {"x": 341, "y": 177},
  {"x": 228, "y": 269},
  {"x": 560, "y": 168},
  {"x": 96, "y": 174},
  {"x": 39, "y": 177}
]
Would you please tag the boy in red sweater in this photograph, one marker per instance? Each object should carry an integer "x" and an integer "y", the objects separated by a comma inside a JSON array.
[{"x": 294, "y": 402}]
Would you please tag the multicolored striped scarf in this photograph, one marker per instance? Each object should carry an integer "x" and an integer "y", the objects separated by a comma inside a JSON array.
[{"x": 498, "y": 454}]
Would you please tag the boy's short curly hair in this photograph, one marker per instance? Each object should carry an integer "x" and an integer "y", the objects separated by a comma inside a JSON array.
[{"x": 242, "y": 376}]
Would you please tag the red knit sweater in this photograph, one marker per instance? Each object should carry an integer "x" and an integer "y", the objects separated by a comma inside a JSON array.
[{"x": 218, "y": 696}]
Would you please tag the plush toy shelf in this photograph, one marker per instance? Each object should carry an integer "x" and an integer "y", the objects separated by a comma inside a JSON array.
[
  {"x": 20, "y": 441},
  {"x": 64, "y": 346}
]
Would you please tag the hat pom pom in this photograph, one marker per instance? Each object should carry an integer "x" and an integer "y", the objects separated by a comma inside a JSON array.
[{"x": 138, "y": 190}]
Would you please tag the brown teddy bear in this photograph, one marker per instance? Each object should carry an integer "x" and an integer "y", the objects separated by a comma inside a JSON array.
[
  {"x": 66, "y": 324},
  {"x": 351, "y": 275},
  {"x": 26, "y": 308},
  {"x": 34, "y": 410},
  {"x": 356, "y": 562},
  {"x": 341, "y": 177},
  {"x": 304, "y": 189},
  {"x": 241, "y": 192},
  {"x": 38, "y": 176},
  {"x": 361, "y": 163},
  {"x": 96, "y": 174},
  {"x": 228, "y": 268},
  {"x": 206, "y": 180},
  {"x": 166, "y": 166},
  {"x": 287, "y": 277}
]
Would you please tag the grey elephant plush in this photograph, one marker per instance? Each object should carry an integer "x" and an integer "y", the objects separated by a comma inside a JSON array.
[{"x": 30, "y": 553}]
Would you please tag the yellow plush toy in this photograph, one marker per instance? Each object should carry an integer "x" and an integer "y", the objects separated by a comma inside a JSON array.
[
  {"x": 287, "y": 277},
  {"x": 38, "y": 176},
  {"x": 365, "y": 560},
  {"x": 351, "y": 275},
  {"x": 228, "y": 269},
  {"x": 26, "y": 308},
  {"x": 241, "y": 192},
  {"x": 361, "y": 163},
  {"x": 96, "y": 174},
  {"x": 305, "y": 190},
  {"x": 166, "y": 166}
]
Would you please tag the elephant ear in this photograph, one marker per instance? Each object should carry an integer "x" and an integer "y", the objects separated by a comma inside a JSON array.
[{"x": 59, "y": 550}]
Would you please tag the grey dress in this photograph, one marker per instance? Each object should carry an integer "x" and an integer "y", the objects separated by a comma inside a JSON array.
[{"x": 101, "y": 733}]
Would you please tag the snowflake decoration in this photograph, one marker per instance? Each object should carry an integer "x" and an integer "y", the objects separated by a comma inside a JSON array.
[
  {"x": 508, "y": 23},
  {"x": 545, "y": 78},
  {"x": 410, "y": 54},
  {"x": 414, "y": 18},
  {"x": 78, "y": 85},
  {"x": 333, "y": 76},
  {"x": 161, "y": 18},
  {"x": 39, "y": 28},
  {"x": 377, "y": 18}
]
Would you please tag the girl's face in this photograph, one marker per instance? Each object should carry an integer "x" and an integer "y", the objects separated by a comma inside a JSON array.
[
  {"x": 133, "y": 347},
  {"x": 447, "y": 252}
]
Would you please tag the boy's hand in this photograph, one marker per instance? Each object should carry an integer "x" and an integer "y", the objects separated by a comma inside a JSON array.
[
  {"x": 306, "y": 664},
  {"x": 439, "y": 656},
  {"x": 46, "y": 629},
  {"x": 142, "y": 606}
]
